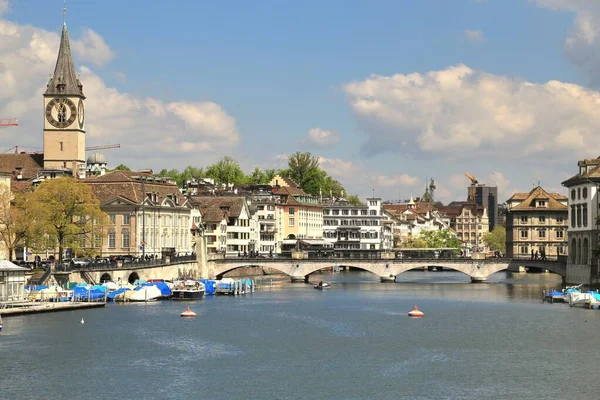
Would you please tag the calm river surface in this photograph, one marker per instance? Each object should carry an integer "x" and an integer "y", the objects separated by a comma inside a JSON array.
[{"x": 354, "y": 341}]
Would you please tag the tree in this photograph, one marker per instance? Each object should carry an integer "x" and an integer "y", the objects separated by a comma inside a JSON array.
[
  {"x": 260, "y": 177},
  {"x": 496, "y": 239},
  {"x": 64, "y": 214},
  {"x": 304, "y": 169},
  {"x": 226, "y": 171},
  {"x": 122, "y": 167},
  {"x": 14, "y": 220},
  {"x": 435, "y": 239},
  {"x": 354, "y": 200}
]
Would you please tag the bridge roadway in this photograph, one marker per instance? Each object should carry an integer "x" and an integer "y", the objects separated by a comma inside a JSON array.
[
  {"x": 387, "y": 269},
  {"x": 300, "y": 269}
]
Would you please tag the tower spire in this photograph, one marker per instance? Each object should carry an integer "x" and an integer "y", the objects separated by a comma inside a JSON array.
[{"x": 64, "y": 81}]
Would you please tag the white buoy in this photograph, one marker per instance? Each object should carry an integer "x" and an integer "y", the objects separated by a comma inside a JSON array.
[
  {"x": 188, "y": 313},
  {"x": 82, "y": 321}
]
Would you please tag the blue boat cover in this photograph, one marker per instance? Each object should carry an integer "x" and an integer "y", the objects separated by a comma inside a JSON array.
[
  {"x": 112, "y": 295},
  {"x": 83, "y": 293},
  {"x": 210, "y": 285},
  {"x": 164, "y": 288},
  {"x": 35, "y": 288}
]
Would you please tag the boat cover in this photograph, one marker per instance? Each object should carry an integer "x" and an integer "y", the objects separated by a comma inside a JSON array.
[
  {"x": 112, "y": 295},
  {"x": 210, "y": 285},
  {"x": 82, "y": 293},
  {"x": 146, "y": 293},
  {"x": 162, "y": 286}
]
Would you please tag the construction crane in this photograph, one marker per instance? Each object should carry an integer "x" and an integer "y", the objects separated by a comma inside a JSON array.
[
  {"x": 8, "y": 122},
  {"x": 474, "y": 183},
  {"x": 105, "y": 146}
]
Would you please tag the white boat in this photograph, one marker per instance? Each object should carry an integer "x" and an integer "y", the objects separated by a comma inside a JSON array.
[
  {"x": 189, "y": 290},
  {"x": 146, "y": 293},
  {"x": 580, "y": 299},
  {"x": 323, "y": 285},
  {"x": 0, "y": 323}
]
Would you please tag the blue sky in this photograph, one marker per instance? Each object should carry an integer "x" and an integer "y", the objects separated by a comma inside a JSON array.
[{"x": 373, "y": 80}]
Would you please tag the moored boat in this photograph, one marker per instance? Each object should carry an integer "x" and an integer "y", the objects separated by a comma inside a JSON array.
[
  {"x": 0, "y": 323},
  {"x": 146, "y": 293},
  {"x": 189, "y": 290}
]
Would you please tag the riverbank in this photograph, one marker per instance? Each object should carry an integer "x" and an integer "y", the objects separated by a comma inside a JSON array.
[{"x": 36, "y": 308}]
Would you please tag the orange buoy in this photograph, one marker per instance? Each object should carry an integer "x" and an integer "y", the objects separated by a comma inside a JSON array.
[
  {"x": 188, "y": 313},
  {"x": 416, "y": 313}
]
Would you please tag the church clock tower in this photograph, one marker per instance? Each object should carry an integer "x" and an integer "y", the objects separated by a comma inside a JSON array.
[{"x": 64, "y": 113}]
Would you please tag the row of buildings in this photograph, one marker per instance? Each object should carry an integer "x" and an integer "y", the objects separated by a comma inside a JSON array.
[{"x": 151, "y": 215}]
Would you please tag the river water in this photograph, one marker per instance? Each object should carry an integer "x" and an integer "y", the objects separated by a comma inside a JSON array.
[{"x": 288, "y": 341}]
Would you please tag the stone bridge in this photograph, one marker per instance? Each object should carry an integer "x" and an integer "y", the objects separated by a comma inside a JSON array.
[
  {"x": 387, "y": 269},
  {"x": 130, "y": 273},
  {"x": 299, "y": 270}
]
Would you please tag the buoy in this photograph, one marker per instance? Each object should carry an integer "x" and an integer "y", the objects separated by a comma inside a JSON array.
[
  {"x": 415, "y": 313},
  {"x": 82, "y": 321},
  {"x": 188, "y": 313}
]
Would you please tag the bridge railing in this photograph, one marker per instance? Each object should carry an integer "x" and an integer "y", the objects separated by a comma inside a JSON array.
[{"x": 132, "y": 263}]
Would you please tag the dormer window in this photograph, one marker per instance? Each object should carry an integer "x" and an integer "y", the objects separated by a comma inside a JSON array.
[{"x": 541, "y": 203}]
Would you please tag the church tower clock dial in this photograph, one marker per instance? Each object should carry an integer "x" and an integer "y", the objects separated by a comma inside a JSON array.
[
  {"x": 80, "y": 115},
  {"x": 61, "y": 113}
]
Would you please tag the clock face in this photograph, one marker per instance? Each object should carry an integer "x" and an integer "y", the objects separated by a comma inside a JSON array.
[
  {"x": 80, "y": 114},
  {"x": 61, "y": 113}
]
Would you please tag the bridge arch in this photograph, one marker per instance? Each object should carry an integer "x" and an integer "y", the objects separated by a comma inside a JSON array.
[
  {"x": 133, "y": 277},
  {"x": 105, "y": 278},
  {"x": 222, "y": 271}
]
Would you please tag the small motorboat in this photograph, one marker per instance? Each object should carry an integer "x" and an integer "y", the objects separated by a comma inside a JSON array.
[
  {"x": 0, "y": 323},
  {"x": 188, "y": 313},
  {"x": 322, "y": 285},
  {"x": 415, "y": 313}
]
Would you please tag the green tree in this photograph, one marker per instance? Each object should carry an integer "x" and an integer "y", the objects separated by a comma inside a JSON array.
[
  {"x": 496, "y": 239},
  {"x": 440, "y": 239},
  {"x": 304, "y": 169},
  {"x": 226, "y": 171},
  {"x": 354, "y": 200},
  {"x": 122, "y": 167},
  {"x": 14, "y": 220},
  {"x": 64, "y": 214}
]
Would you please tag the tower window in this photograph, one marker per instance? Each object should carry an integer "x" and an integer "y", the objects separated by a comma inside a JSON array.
[{"x": 61, "y": 146}]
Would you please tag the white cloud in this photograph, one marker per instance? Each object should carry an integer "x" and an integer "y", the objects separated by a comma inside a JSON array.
[
  {"x": 4, "y": 7},
  {"x": 148, "y": 129},
  {"x": 474, "y": 36},
  {"x": 92, "y": 47},
  {"x": 582, "y": 44},
  {"x": 321, "y": 138},
  {"x": 454, "y": 112},
  {"x": 397, "y": 180}
]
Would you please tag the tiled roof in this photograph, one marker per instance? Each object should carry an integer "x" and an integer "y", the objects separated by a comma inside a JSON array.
[
  {"x": 232, "y": 205},
  {"x": 213, "y": 215},
  {"x": 420, "y": 207},
  {"x": 593, "y": 173},
  {"x": 540, "y": 194},
  {"x": 122, "y": 184},
  {"x": 456, "y": 208},
  {"x": 29, "y": 164}
]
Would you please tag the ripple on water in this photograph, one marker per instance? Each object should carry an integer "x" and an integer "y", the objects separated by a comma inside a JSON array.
[
  {"x": 421, "y": 360},
  {"x": 340, "y": 329}
]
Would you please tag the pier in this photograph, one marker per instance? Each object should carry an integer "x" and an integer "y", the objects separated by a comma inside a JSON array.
[{"x": 28, "y": 307}]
